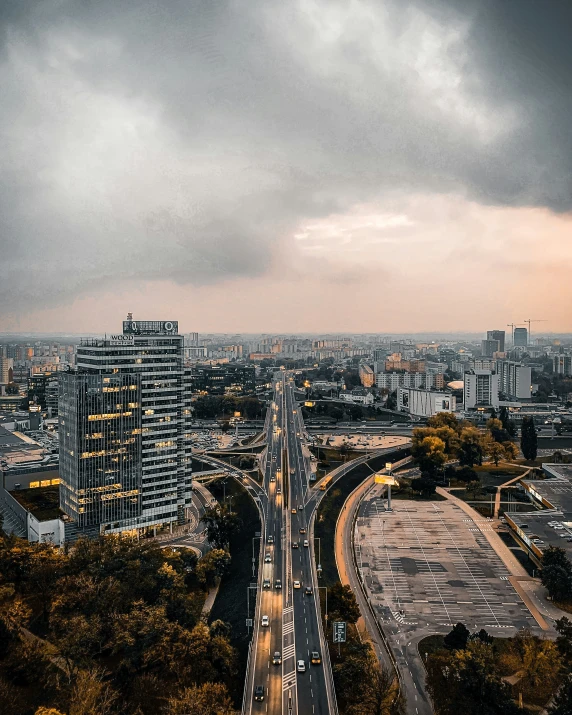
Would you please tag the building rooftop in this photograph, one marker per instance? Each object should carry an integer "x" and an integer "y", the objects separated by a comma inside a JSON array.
[
  {"x": 43, "y": 502},
  {"x": 555, "y": 495}
]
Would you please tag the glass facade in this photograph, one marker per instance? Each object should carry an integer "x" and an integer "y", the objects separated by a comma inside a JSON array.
[{"x": 150, "y": 357}]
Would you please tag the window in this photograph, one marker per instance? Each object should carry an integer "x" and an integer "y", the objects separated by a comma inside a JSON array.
[{"x": 34, "y": 485}]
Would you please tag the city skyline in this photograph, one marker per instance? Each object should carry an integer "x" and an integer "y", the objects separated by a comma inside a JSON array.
[{"x": 266, "y": 166}]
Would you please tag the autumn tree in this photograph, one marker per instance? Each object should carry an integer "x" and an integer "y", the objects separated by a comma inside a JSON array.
[
  {"x": 428, "y": 450},
  {"x": 206, "y": 699},
  {"x": 213, "y": 565},
  {"x": 221, "y": 524},
  {"x": 341, "y": 601}
]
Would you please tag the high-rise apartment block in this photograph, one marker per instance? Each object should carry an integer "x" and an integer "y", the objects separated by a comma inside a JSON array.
[
  {"x": 490, "y": 347},
  {"x": 514, "y": 380},
  {"x": 497, "y": 335},
  {"x": 481, "y": 389},
  {"x": 520, "y": 337},
  {"x": 125, "y": 461},
  {"x": 562, "y": 365}
]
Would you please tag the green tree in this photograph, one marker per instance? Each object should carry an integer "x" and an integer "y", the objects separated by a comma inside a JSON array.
[
  {"x": 221, "y": 524},
  {"x": 529, "y": 439},
  {"x": 458, "y": 638},
  {"x": 507, "y": 423},
  {"x": 556, "y": 573},
  {"x": 342, "y": 602},
  {"x": 564, "y": 639},
  {"x": 562, "y": 704},
  {"x": 391, "y": 402},
  {"x": 424, "y": 485},
  {"x": 471, "y": 449}
]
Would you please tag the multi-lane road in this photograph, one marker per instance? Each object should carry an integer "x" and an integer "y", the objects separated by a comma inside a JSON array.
[{"x": 287, "y": 615}]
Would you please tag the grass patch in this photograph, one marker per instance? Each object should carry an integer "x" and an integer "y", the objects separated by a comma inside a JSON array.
[
  {"x": 43, "y": 503},
  {"x": 231, "y": 602}
]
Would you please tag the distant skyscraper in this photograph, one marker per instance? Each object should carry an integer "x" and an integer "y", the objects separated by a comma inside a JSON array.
[
  {"x": 520, "y": 337},
  {"x": 497, "y": 335},
  {"x": 489, "y": 347},
  {"x": 124, "y": 462},
  {"x": 481, "y": 389},
  {"x": 193, "y": 340}
]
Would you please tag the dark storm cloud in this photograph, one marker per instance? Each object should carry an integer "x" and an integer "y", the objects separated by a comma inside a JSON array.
[{"x": 186, "y": 140}]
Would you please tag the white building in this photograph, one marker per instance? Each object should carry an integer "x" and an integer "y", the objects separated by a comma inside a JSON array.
[
  {"x": 424, "y": 403},
  {"x": 392, "y": 380},
  {"x": 357, "y": 396},
  {"x": 481, "y": 389},
  {"x": 515, "y": 380}
]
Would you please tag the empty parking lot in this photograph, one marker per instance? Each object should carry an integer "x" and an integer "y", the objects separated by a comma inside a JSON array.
[{"x": 427, "y": 566}]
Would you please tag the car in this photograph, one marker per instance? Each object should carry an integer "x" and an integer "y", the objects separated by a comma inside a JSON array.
[
  {"x": 272, "y": 478},
  {"x": 259, "y": 693},
  {"x": 294, "y": 510},
  {"x": 302, "y": 530},
  {"x": 558, "y": 527},
  {"x": 267, "y": 559},
  {"x": 266, "y": 583},
  {"x": 296, "y": 584},
  {"x": 295, "y": 544},
  {"x": 265, "y": 621},
  {"x": 276, "y": 658},
  {"x": 278, "y": 584},
  {"x": 308, "y": 591},
  {"x": 306, "y": 542},
  {"x": 270, "y": 539},
  {"x": 278, "y": 491},
  {"x": 316, "y": 658},
  {"x": 300, "y": 507},
  {"x": 301, "y": 666}
]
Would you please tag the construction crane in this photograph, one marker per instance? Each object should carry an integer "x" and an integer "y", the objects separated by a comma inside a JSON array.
[{"x": 529, "y": 321}]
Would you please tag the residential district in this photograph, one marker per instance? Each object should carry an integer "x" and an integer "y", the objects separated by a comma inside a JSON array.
[{"x": 285, "y": 524}]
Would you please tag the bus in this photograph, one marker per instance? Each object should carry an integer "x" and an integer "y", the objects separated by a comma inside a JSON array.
[{"x": 325, "y": 483}]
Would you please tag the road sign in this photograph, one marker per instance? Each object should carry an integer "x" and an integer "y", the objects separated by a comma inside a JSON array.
[
  {"x": 339, "y": 631},
  {"x": 385, "y": 479},
  {"x": 249, "y": 622}
]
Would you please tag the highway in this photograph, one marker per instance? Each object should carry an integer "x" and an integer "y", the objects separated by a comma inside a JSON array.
[
  {"x": 294, "y": 627},
  {"x": 315, "y": 693}
]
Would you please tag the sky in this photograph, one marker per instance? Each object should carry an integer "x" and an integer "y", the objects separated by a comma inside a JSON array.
[{"x": 285, "y": 166}]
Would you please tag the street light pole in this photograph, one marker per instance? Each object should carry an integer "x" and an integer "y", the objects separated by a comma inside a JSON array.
[{"x": 326, "y": 590}]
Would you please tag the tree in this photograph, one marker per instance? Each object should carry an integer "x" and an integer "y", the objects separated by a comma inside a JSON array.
[
  {"x": 467, "y": 681},
  {"x": 556, "y": 573},
  {"x": 536, "y": 660},
  {"x": 428, "y": 450},
  {"x": 444, "y": 419},
  {"x": 457, "y": 638},
  {"x": 495, "y": 451},
  {"x": 424, "y": 485},
  {"x": 221, "y": 524},
  {"x": 507, "y": 423},
  {"x": 342, "y": 601},
  {"x": 213, "y": 565},
  {"x": 391, "y": 402},
  {"x": 206, "y": 699},
  {"x": 528, "y": 439},
  {"x": 483, "y": 636},
  {"x": 562, "y": 704},
  {"x": 510, "y": 450},
  {"x": 471, "y": 449},
  {"x": 91, "y": 695},
  {"x": 564, "y": 639}
]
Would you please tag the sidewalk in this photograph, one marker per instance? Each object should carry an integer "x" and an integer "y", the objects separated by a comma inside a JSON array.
[{"x": 209, "y": 603}]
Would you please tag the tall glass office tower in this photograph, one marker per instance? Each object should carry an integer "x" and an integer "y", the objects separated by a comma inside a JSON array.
[{"x": 124, "y": 459}]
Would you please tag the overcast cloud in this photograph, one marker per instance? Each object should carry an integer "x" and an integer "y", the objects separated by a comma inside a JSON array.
[{"x": 210, "y": 144}]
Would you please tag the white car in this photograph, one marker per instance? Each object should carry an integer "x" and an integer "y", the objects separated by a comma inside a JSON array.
[
  {"x": 265, "y": 621},
  {"x": 306, "y": 542},
  {"x": 301, "y": 667},
  {"x": 267, "y": 559},
  {"x": 296, "y": 584}
]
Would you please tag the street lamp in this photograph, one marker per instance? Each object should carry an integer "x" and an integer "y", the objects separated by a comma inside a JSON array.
[{"x": 326, "y": 590}]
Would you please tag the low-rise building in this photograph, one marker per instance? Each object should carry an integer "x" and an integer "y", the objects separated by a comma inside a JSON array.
[
  {"x": 358, "y": 396},
  {"x": 366, "y": 375},
  {"x": 424, "y": 403}
]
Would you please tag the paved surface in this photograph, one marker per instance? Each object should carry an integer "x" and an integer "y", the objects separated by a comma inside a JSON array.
[{"x": 426, "y": 567}]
